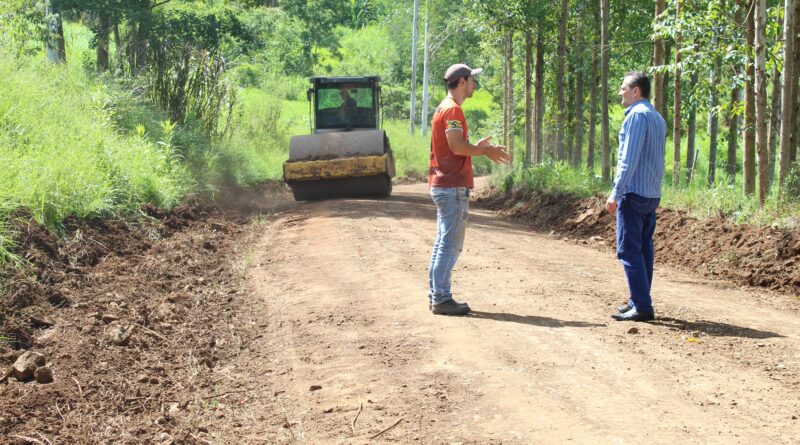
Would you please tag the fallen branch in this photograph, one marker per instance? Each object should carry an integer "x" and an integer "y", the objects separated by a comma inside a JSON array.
[
  {"x": 387, "y": 429},
  {"x": 353, "y": 424}
]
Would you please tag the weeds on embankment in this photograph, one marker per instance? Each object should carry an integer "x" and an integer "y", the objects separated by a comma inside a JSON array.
[{"x": 719, "y": 201}]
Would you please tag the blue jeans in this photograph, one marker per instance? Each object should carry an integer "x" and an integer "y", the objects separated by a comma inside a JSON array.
[
  {"x": 636, "y": 223},
  {"x": 452, "y": 204}
]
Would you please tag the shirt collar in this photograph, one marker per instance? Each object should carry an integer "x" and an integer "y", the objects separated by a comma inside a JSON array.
[{"x": 627, "y": 110}]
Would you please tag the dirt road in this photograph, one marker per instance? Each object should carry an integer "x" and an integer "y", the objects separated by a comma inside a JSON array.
[
  {"x": 347, "y": 347},
  {"x": 258, "y": 320}
]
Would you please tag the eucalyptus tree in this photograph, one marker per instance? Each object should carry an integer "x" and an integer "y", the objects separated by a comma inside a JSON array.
[
  {"x": 561, "y": 55},
  {"x": 414, "y": 51},
  {"x": 676, "y": 120},
  {"x": 658, "y": 62},
  {"x": 788, "y": 95},
  {"x": 749, "y": 151},
  {"x": 594, "y": 80},
  {"x": 761, "y": 99},
  {"x": 604, "y": 142}
]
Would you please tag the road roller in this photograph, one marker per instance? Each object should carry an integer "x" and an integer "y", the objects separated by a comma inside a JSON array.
[{"x": 347, "y": 154}]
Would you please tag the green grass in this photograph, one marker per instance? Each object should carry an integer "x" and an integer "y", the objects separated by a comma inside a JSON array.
[{"x": 62, "y": 154}]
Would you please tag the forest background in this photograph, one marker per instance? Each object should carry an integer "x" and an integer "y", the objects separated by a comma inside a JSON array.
[{"x": 109, "y": 104}]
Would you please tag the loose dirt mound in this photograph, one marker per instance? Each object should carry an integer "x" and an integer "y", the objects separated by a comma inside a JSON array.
[
  {"x": 131, "y": 319},
  {"x": 756, "y": 256}
]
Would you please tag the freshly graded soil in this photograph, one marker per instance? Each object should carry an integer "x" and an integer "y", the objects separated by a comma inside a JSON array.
[
  {"x": 767, "y": 257},
  {"x": 257, "y": 320}
]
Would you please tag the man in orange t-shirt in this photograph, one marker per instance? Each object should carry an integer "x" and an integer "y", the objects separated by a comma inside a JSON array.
[{"x": 450, "y": 180}]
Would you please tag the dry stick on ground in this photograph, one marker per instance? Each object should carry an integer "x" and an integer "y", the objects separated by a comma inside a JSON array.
[
  {"x": 228, "y": 392},
  {"x": 80, "y": 390},
  {"x": 387, "y": 429},
  {"x": 29, "y": 439},
  {"x": 200, "y": 439},
  {"x": 59, "y": 413},
  {"x": 154, "y": 333},
  {"x": 43, "y": 437},
  {"x": 353, "y": 425}
]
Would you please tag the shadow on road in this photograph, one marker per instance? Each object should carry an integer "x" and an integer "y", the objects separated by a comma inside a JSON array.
[
  {"x": 713, "y": 328},
  {"x": 407, "y": 206},
  {"x": 533, "y": 320}
]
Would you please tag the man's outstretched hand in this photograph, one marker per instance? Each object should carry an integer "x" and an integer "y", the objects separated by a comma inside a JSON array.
[
  {"x": 611, "y": 205},
  {"x": 497, "y": 153}
]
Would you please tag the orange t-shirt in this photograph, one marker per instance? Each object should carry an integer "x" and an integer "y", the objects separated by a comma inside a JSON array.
[{"x": 448, "y": 169}]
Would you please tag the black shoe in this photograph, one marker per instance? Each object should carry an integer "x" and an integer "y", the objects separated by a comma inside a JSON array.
[
  {"x": 450, "y": 307},
  {"x": 634, "y": 315},
  {"x": 625, "y": 308}
]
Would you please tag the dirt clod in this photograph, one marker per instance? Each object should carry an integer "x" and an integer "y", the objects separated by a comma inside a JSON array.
[
  {"x": 121, "y": 335},
  {"x": 43, "y": 375},
  {"x": 26, "y": 365}
]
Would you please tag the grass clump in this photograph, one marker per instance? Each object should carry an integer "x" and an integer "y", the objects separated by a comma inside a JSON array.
[{"x": 551, "y": 177}]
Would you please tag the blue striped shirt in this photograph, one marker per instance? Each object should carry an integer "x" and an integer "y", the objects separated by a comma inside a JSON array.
[{"x": 640, "y": 161}]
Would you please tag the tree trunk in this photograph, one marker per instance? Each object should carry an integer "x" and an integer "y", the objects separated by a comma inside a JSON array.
[
  {"x": 787, "y": 92},
  {"x": 590, "y": 149},
  {"x": 539, "y": 103},
  {"x": 55, "y": 48},
  {"x": 749, "y": 155},
  {"x": 569, "y": 122},
  {"x": 658, "y": 60},
  {"x": 795, "y": 132},
  {"x": 528, "y": 101},
  {"x": 509, "y": 59},
  {"x": 676, "y": 121},
  {"x": 665, "y": 111},
  {"x": 412, "y": 115},
  {"x": 425, "y": 74},
  {"x": 761, "y": 101},
  {"x": 691, "y": 134},
  {"x": 143, "y": 34},
  {"x": 774, "y": 124},
  {"x": 578, "y": 148},
  {"x": 101, "y": 50},
  {"x": 560, "y": 61},
  {"x": 606, "y": 168},
  {"x": 713, "y": 124},
  {"x": 733, "y": 135},
  {"x": 118, "y": 50},
  {"x": 506, "y": 115}
]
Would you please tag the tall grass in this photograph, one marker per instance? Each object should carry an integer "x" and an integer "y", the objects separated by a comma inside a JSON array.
[{"x": 63, "y": 154}]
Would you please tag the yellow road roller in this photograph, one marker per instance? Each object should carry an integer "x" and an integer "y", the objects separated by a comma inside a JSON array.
[{"x": 347, "y": 154}]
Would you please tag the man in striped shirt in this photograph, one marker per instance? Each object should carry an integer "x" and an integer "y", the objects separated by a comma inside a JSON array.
[{"x": 637, "y": 193}]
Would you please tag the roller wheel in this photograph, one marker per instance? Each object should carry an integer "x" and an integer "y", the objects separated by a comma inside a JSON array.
[{"x": 365, "y": 186}]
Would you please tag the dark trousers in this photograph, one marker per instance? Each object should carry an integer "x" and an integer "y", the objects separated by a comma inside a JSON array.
[{"x": 636, "y": 223}]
